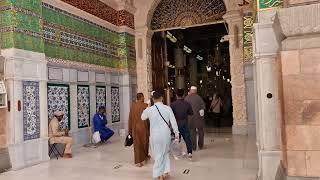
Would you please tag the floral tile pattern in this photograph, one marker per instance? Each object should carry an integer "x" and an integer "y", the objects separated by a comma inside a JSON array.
[
  {"x": 115, "y": 104},
  {"x": 83, "y": 106},
  {"x": 31, "y": 111},
  {"x": 100, "y": 96},
  {"x": 58, "y": 100}
]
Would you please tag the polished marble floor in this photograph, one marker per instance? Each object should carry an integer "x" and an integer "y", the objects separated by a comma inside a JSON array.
[{"x": 226, "y": 158}]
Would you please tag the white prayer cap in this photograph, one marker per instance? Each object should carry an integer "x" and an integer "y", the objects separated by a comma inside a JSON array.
[
  {"x": 152, "y": 93},
  {"x": 193, "y": 88},
  {"x": 58, "y": 113}
]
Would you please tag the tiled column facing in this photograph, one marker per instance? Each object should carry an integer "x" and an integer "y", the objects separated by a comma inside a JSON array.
[
  {"x": 301, "y": 98},
  {"x": 144, "y": 68},
  {"x": 235, "y": 24},
  {"x": 27, "y": 141},
  {"x": 269, "y": 115}
]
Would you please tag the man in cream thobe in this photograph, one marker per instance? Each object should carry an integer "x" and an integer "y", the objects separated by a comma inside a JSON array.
[{"x": 56, "y": 135}]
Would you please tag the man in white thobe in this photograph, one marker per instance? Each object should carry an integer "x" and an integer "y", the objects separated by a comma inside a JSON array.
[{"x": 160, "y": 134}]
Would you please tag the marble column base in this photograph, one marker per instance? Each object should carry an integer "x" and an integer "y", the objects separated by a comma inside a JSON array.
[
  {"x": 252, "y": 129},
  {"x": 269, "y": 164},
  {"x": 28, "y": 153},
  {"x": 240, "y": 129},
  {"x": 81, "y": 136},
  {"x": 4, "y": 160},
  {"x": 302, "y": 178}
]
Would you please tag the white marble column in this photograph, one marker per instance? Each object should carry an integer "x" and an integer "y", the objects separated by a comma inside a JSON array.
[
  {"x": 125, "y": 100},
  {"x": 267, "y": 45},
  {"x": 74, "y": 112},
  {"x": 250, "y": 97},
  {"x": 143, "y": 54},
  {"x": 108, "y": 98},
  {"x": 93, "y": 100},
  {"x": 235, "y": 27}
]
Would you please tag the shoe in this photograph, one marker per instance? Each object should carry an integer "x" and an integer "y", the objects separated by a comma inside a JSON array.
[
  {"x": 190, "y": 156},
  {"x": 183, "y": 153}
]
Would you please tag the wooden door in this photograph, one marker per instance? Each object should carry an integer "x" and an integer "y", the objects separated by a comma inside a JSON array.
[{"x": 159, "y": 58}]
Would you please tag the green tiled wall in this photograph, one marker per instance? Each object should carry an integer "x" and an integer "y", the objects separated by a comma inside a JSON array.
[{"x": 23, "y": 23}]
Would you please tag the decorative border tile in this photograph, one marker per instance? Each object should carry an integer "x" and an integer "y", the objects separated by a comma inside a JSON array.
[
  {"x": 83, "y": 98},
  {"x": 247, "y": 37},
  {"x": 105, "y": 12},
  {"x": 115, "y": 104},
  {"x": 31, "y": 110},
  {"x": 101, "y": 96},
  {"x": 269, "y": 4},
  {"x": 178, "y": 13},
  {"x": 59, "y": 100}
]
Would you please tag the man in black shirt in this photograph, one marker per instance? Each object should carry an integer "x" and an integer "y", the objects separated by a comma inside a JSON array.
[{"x": 182, "y": 110}]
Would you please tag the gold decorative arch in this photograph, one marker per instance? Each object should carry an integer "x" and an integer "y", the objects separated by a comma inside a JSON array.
[{"x": 180, "y": 13}]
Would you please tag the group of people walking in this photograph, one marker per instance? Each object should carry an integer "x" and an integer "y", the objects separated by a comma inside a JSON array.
[
  {"x": 159, "y": 124},
  {"x": 162, "y": 124}
]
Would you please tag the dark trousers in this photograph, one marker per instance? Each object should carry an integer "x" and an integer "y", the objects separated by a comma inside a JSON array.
[
  {"x": 185, "y": 133},
  {"x": 194, "y": 137},
  {"x": 217, "y": 119}
]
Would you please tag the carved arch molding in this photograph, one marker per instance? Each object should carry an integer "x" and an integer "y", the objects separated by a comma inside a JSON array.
[{"x": 180, "y": 13}]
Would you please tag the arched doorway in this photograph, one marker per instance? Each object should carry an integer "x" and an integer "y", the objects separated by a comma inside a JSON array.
[
  {"x": 175, "y": 15},
  {"x": 233, "y": 17}
]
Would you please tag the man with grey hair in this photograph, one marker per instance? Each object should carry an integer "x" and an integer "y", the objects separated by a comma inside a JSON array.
[{"x": 196, "y": 121}]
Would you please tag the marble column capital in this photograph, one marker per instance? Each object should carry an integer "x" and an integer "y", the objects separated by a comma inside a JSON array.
[
  {"x": 233, "y": 16},
  {"x": 127, "y": 5},
  {"x": 144, "y": 31}
]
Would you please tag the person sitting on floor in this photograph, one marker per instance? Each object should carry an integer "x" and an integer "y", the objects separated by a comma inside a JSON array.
[
  {"x": 61, "y": 136},
  {"x": 100, "y": 122}
]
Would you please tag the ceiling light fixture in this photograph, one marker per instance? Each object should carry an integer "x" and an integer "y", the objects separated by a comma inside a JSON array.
[
  {"x": 187, "y": 49},
  {"x": 199, "y": 58},
  {"x": 171, "y": 37}
]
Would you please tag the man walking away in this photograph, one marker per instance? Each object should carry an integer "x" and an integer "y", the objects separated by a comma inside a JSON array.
[
  {"x": 182, "y": 110},
  {"x": 196, "y": 121},
  {"x": 139, "y": 130}
]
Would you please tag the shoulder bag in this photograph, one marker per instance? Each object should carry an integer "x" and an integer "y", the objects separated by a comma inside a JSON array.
[{"x": 168, "y": 123}]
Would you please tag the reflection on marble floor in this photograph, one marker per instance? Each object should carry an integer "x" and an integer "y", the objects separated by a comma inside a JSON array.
[{"x": 226, "y": 158}]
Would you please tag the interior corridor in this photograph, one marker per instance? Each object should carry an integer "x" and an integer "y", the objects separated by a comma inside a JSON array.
[{"x": 228, "y": 157}]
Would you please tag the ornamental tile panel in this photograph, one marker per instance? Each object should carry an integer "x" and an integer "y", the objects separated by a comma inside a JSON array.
[
  {"x": 59, "y": 100},
  {"x": 56, "y": 33},
  {"x": 31, "y": 110},
  {"x": 100, "y": 97},
  {"x": 105, "y": 12},
  {"x": 115, "y": 104},
  {"x": 83, "y": 106}
]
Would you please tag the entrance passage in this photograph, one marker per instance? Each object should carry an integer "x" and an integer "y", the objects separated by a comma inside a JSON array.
[{"x": 196, "y": 56}]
